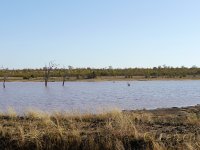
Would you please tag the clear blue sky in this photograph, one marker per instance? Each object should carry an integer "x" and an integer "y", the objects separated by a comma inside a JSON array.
[{"x": 99, "y": 33}]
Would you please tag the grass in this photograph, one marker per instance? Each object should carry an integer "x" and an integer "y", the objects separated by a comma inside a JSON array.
[{"x": 161, "y": 129}]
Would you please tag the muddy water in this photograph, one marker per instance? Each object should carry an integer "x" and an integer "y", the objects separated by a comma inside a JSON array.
[{"x": 92, "y": 96}]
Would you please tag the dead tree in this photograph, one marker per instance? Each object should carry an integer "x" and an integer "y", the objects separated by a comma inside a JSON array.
[{"x": 47, "y": 71}]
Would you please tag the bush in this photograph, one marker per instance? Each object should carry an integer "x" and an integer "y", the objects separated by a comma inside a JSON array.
[{"x": 26, "y": 78}]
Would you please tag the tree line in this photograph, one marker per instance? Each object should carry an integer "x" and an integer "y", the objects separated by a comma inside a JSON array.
[{"x": 88, "y": 73}]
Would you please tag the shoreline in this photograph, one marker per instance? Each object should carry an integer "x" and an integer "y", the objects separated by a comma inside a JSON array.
[
  {"x": 99, "y": 79},
  {"x": 150, "y": 110}
]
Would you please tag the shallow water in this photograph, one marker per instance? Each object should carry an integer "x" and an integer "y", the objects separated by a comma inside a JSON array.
[{"x": 93, "y": 96}]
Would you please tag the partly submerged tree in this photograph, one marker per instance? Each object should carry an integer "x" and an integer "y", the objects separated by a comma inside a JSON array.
[{"x": 47, "y": 70}]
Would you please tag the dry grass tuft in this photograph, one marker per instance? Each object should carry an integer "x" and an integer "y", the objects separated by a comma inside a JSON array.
[{"x": 11, "y": 112}]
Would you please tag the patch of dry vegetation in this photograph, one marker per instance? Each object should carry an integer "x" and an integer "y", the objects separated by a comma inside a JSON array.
[{"x": 176, "y": 128}]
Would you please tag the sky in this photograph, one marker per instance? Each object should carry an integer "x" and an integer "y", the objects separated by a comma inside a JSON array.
[{"x": 99, "y": 33}]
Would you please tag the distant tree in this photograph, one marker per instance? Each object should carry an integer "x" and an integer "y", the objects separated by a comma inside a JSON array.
[
  {"x": 154, "y": 68},
  {"x": 32, "y": 76},
  {"x": 110, "y": 67},
  {"x": 91, "y": 75},
  {"x": 70, "y": 67},
  {"x": 194, "y": 67},
  {"x": 94, "y": 75},
  {"x": 47, "y": 70}
]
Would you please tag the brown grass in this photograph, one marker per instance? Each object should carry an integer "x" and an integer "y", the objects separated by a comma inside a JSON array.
[{"x": 140, "y": 130}]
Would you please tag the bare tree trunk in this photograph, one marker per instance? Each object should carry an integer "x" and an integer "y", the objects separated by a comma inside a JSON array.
[
  {"x": 5, "y": 77},
  {"x": 65, "y": 74},
  {"x": 46, "y": 78},
  {"x": 4, "y": 82},
  {"x": 46, "y": 81},
  {"x": 64, "y": 79},
  {"x": 63, "y": 84}
]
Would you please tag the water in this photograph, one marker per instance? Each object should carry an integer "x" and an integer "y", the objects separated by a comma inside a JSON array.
[{"x": 92, "y": 96}]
